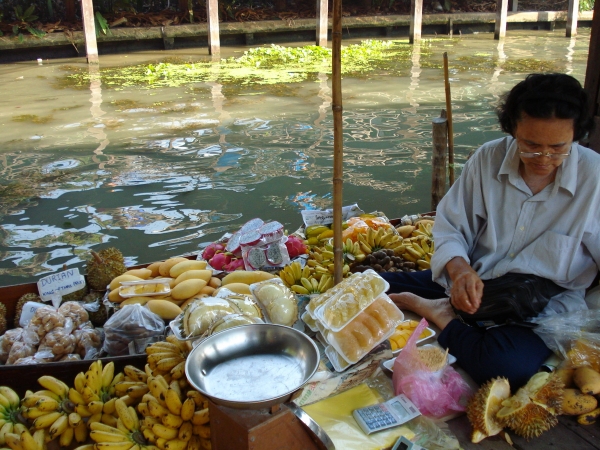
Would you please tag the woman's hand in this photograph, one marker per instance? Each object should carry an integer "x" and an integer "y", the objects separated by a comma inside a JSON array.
[{"x": 467, "y": 287}]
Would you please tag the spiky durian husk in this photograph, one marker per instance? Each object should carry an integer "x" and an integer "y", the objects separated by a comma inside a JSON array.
[
  {"x": 103, "y": 266},
  {"x": 533, "y": 409},
  {"x": 483, "y": 406},
  {"x": 528, "y": 419},
  {"x": 29, "y": 297},
  {"x": 2, "y": 318}
]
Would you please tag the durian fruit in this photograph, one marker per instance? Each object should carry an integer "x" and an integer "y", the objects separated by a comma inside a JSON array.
[
  {"x": 533, "y": 409},
  {"x": 483, "y": 406},
  {"x": 2, "y": 318},
  {"x": 75, "y": 296},
  {"x": 30, "y": 297},
  {"x": 103, "y": 266},
  {"x": 99, "y": 316}
]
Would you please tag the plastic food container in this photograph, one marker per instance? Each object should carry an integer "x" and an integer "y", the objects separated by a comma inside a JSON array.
[
  {"x": 336, "y": 360},
  {"x": 350, "y": 300},
  {"x": 430, "y": 333},
  {"x": 271, "y": 231},
  {"x": 368, "y": 329},
  {"x": 146, "y": 288}
]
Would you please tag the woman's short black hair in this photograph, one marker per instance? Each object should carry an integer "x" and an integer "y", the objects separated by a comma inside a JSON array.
[{"x": 545, "y": 96}]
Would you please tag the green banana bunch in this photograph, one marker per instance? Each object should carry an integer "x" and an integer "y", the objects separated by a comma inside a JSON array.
[{"x": 9, "y": 414}]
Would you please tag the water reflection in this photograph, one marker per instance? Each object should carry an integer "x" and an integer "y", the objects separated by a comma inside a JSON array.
[{"x": 161, "y": 172}]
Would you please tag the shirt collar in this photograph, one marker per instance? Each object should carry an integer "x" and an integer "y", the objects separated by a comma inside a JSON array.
[{"x": 566, "y": 177}]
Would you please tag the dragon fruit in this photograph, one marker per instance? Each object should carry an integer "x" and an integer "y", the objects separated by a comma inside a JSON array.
[
  {"x": 235, "y": 264},
  {"x": 220, "y": 260},
  {"x": 295, "y": 246},
  {"x": 211, "y": 250}
]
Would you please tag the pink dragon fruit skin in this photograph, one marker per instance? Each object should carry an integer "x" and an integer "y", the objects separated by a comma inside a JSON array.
[
  {"x": 211, "y": 250},
  {"x": 235, "y": 264},
  {"x": 295, "y": 246},
  {"x": 220, "y": 260}
]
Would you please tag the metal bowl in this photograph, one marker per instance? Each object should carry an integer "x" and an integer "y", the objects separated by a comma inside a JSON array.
[{"x": 252, "y": 366}]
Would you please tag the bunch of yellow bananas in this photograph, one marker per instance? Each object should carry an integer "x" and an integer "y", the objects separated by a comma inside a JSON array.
[
  {"x": 317, "y": 233},
  {"x": 383, "y": 238},
  {"x": 51, "y": 410},
  {"x": 352, "y": 252},
  {"x": 293, "y": 273},
  {"x": 10, "y": 423},
  {"x": 124, "y": 435},
  {"x": 419, "y": 251},
  {"x": 168, "y": 357},
  {"x": 22, "y": 439},
  {"x": 174, "y": 418}
]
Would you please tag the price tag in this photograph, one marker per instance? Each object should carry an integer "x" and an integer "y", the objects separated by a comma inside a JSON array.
[
  {"x": 325, "y": 217},
  {"x": 60, "y": 284},
  {"x": 28, "y": 311}
]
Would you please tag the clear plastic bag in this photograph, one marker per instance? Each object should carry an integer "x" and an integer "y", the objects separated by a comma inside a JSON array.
[
  {"x": 130, "y": 323},
  {"x": 436, "y": 393},
  {"x": 575, "y": 336}
]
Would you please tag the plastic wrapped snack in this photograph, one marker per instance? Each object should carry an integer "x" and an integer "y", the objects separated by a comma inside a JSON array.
[
  {"x": 348, "y": 298},
  {"x": 70, "y": 357},
  {"x": 46, "y": 319},
  {"x": 199, "y": 315},
  {"x": 130, "y": 323},
  {"x": 73, "y": 310},
  {"x": 146, "y": 288},
  {"x": 369, "y": 328},
  {"x": 57, "y": 343},
  {"x": 88, "y": 342},
  {"x": 20, "y": 350},
  {"x": 7, "y": 340},
  {"x": 278, "y": 301}
]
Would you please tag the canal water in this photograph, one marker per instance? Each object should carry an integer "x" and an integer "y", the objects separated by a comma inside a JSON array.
[{"x": 162, "y": 171}]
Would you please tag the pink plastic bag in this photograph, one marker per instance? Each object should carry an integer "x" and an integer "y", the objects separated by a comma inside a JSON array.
[{"x": 436, "y": 394}]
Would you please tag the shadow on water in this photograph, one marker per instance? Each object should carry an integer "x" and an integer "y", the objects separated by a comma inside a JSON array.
[{"x": 98, "y": 157}]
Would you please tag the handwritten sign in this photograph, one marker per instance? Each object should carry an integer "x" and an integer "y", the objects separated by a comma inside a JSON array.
[{"x": 60, "y": 284}]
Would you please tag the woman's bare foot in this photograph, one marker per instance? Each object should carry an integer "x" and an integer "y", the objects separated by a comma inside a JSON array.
[{"x": 438, "y": 311}]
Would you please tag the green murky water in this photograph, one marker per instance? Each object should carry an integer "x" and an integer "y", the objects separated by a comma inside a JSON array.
[{"x": 160, "y": 160}]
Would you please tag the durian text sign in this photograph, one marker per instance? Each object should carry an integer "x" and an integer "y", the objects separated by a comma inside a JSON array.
[{"x": 60, "y": 283}]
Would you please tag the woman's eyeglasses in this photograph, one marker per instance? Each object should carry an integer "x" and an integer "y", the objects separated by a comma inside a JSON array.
[{"x": 553, "y": 156}]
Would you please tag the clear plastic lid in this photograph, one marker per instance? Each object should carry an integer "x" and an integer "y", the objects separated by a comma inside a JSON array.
[
  {"x": 349, "y": 301},
  {"x": 144, "y": 288},
  {"x": 336, "y": 360},
  {"x": 367, "y": 330}
]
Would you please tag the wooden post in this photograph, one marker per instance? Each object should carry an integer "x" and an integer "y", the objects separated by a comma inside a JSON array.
[
  {"x": 212, "y": 18},
  {"x": 501, "y": 14},
  {"x": 322, "y": 22},
  {"x": 89, "y": 31},
  {"x": 338, "y": 138},
  {"x": 416, "y": 21},
  {"x": 450, "y": 125},
  {"x": 438, "y": 159},
  {"x": 572, "y": 14},
  {"x": 592, "y": 78},
  {"x": 515, "y": 5}
]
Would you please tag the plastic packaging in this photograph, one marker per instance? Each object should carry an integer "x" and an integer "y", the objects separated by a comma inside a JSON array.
[
  {"x": 74, "y": 311},
  {"x": 88, "y": 341},
  {"x": 147, "y": 288},
  {"x": 368, "y": 329},
  {"x": 277, "y": 300},
  {"x": 348, "y": 301},
  {"x": 198, "y": 316},
  {"x": 436, "y": 393},
  {"x": 56, "y": 344},
  {"x": 575, "y": 336},
  {"x": 45, "y": 319},
  {"x": 130, "y": 323}
]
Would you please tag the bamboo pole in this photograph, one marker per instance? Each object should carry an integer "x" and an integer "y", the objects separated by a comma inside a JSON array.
[
  {"x": 438, "y": 159},
  {"x": 450, "y": 126},
  {"x": 338, "y": 147}
]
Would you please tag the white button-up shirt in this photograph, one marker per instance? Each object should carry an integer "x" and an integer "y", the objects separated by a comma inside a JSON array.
[{"x": 491, "y": 218}]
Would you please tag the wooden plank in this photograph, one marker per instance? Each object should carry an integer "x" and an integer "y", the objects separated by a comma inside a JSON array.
[
  {"x": 322, "y": 22},
  {"x": 501, "y": 15},
  {"x": 416, "y": 21},
  {"x": 89, "y": 31},
  {"x": 572, "y": 13},
  {"x": 592, "y": 78},
  {"x": 212, "y": 19}
]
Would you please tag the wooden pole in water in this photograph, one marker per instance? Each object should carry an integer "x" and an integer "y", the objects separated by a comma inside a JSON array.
[
  {"x": 438, "y": 159},
  {"x": 322, "y": 22},
  {"x": 572, "y": 16},
  {"x": 212, "y": 19},
  {"x": 450, "y": 126},
  {"x": 338, "y": 138},
  {"x": 89, "y": 31},
  {"x": 501, "y": 14},
  {"x": 416, "y": 21}
]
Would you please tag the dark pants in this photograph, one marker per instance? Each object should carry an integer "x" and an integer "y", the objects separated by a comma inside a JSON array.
[{"x": 509, "y": 351}]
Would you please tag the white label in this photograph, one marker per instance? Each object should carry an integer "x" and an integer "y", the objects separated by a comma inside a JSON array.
[
  {"x": 28, "y": 311},
  {"x": 318, "y": 217},
  {"x": 60, "y": 283}
]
